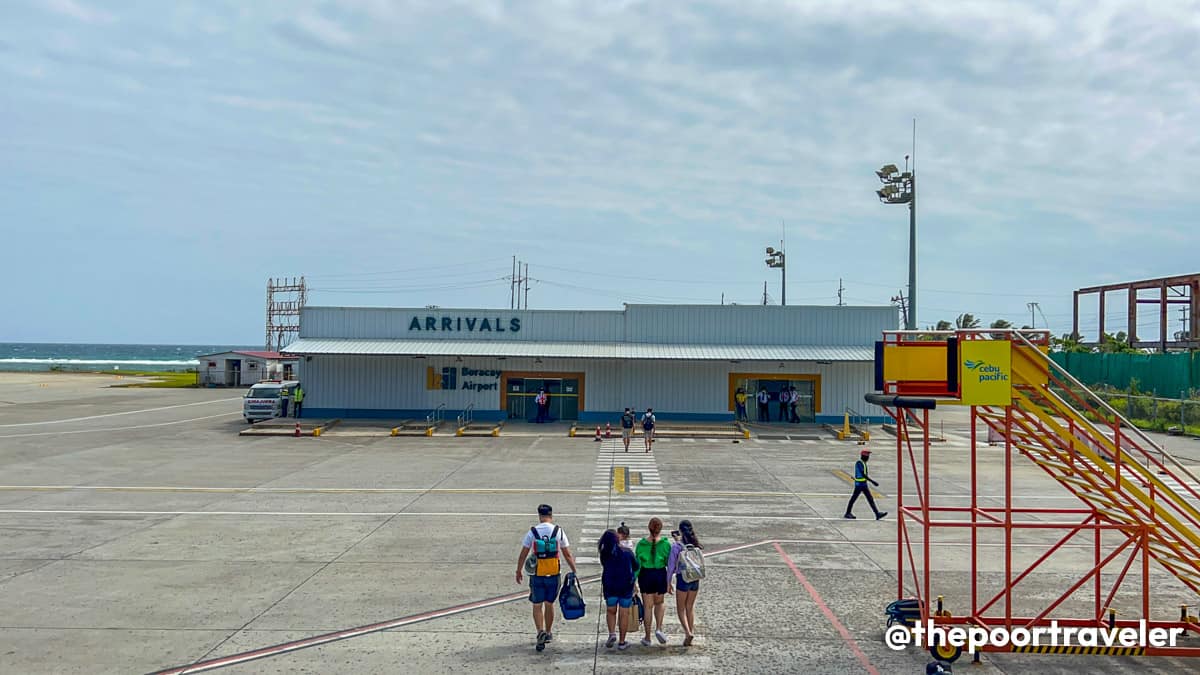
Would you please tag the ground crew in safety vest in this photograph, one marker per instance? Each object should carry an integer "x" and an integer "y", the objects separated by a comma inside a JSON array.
[
  {"x": 297, "y": 401},
  {"x": 861, "y": 478}
]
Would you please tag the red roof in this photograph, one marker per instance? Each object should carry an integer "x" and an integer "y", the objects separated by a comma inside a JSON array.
[{"x": 273, "y": 356}]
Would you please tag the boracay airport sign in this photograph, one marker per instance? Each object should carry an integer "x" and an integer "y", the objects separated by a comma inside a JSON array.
[{"x": 464, "y": 324}]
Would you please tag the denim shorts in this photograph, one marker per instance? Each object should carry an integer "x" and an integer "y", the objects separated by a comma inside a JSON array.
[
  {"x": 686, "y": 586},
  {"x": 613, "y": 601},
  {"x": 543, "y": 589}
]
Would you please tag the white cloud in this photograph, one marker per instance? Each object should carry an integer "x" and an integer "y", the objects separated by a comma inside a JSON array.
[
  {"x": 322, "y": 30},
  {"x": 78, "y": 11}
]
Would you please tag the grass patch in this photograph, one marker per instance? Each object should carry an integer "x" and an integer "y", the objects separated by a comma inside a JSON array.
[{"x": 160, "y": 379}]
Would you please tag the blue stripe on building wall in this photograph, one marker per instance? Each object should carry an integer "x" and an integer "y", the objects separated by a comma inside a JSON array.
[{"x": 586, "y": 416}]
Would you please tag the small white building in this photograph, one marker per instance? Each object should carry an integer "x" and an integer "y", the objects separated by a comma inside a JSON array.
[{"x": 244, "y": 368}]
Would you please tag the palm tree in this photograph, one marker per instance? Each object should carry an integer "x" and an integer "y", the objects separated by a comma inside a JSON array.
[
  {"x": 966, "y": 321},
  {"x": 1000, "y": 323},
  {"x": 944, "y": 325}
]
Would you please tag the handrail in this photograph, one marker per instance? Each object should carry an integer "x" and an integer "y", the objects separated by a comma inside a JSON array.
[
  {"x": 1113, "y": 411},
  {"x": 467, "y": 416},
  {"x": 436, "y": 415}
]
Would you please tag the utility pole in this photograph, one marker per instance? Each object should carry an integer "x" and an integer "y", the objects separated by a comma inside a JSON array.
[
  {"x": 526, "y": 277},
  {"x": 840, "y": 289},
  {"x": 764, "y": 292},
  {"x": 903, "y": 306},
  {"x": 1032, "y": 321},
  {"x": 512, "y": 286}
]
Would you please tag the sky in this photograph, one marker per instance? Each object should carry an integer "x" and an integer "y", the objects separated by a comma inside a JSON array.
[{"x": 162, "y": 160}]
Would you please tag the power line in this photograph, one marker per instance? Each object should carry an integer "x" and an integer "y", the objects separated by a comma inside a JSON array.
[{"x": 406, "y": 270}]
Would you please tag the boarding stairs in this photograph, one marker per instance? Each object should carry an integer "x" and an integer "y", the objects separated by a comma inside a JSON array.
[{"x": 1092, "y": 451}]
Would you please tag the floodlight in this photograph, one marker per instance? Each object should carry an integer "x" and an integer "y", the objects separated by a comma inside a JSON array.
[
  {"x": 888, "y": 169},
  {"x": 770, "y": 250}
]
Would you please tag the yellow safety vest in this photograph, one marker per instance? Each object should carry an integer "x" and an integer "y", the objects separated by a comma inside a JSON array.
[{"x": 298, "y": 395}]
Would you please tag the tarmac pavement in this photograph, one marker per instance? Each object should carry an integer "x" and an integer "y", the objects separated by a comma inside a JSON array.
[{"x": 141, "y": 534}]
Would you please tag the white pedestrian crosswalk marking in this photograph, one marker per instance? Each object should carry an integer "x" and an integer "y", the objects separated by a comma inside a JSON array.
[{"x": 640, "y": 500}]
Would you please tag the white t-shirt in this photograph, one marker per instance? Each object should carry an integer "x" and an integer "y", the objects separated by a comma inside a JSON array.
[
  {"x": 545, "y": 530},
  {"x": 629, "y": 544}
]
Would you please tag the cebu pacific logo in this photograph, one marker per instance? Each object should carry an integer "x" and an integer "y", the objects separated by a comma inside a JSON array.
[{"x": 986, "y": 372}]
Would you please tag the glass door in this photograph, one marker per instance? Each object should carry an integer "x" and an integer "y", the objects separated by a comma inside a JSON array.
[
  {"x": 804, "y": 401},
  {"x": 516, "y": 402}
]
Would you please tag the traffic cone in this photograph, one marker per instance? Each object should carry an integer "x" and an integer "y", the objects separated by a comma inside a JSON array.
[
  {"x": 608, "y": 429},
  {"x": 297, "y": 430},
  {"x": 597, "y": 432}
]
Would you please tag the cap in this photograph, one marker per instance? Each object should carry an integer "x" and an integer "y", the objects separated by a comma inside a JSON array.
[
  {"x": 545, "y": 510},
  {"x": 865, "y": 452}
]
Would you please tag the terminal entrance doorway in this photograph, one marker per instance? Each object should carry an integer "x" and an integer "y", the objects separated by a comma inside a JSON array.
[
  {"x": 808, "y": 399},
  {"x": 565, "y": 391}
]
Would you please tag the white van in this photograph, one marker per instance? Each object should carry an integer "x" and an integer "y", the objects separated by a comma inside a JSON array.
[{"x": 262, "y": 401}]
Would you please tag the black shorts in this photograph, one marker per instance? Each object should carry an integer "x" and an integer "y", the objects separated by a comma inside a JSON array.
[{"x": 653, "y": 581}]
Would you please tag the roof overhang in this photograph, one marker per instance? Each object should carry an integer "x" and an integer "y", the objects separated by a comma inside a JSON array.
[{"x": 579, "y": 350}]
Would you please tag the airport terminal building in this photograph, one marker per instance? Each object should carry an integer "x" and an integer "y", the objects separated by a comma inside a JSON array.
[{"x": 684, "y": 361}]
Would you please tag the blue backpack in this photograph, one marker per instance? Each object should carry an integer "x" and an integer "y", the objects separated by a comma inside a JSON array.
[{"x": 570, "y": 600}]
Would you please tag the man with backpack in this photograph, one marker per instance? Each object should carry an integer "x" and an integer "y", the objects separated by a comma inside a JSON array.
[
  {"x": 648, "y": 422},
  {"x": 541, "y": 549},
  {"x": 627, "y": 421}
]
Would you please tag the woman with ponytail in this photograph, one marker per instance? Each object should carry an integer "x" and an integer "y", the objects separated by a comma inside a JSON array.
[
  {"x": 685, "y": 591},
  {"x": 617, "y": 581},
  {"x": 653, "y": 553}
]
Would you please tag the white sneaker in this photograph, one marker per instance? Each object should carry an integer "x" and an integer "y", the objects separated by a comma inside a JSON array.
[
  {"x": 646, "y": 642},
  {"x": 662, "y": 637},
  {"x": 612, "y": 640}
]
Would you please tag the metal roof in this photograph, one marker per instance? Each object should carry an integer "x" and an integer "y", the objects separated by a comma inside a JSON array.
[{"x": 579, "y": 350}]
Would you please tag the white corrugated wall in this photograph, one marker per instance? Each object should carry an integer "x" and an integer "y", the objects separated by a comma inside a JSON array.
[{"x": 696, "y": 387}]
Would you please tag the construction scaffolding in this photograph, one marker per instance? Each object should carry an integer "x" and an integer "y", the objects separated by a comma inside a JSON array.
[
  {"x": 1136, "y": 504},
  {"x": 1163, "y": 292},
  {"x": 285, "y": 298}
]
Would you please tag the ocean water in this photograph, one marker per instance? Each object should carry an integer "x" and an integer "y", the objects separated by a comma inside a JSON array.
[{"x": 26, "y": 356}]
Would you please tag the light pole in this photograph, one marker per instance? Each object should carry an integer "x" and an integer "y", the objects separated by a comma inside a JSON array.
[
  {"x": 777, "y": 259},
  {"x": 901, "y": 188}
]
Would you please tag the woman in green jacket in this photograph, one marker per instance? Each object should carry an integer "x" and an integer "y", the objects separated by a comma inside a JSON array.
[{"x": 653, "y": 553}]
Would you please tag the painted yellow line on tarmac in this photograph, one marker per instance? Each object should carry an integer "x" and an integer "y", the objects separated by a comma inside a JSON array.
[
  {"x": 298, "y": 490},
  {"x": 566, "y": 491},
  {"x": 618, "y": 479},
  {"x": 846, "y": 477}
]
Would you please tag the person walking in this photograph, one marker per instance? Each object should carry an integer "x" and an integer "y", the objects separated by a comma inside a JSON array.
[
  {"x": 547, "y": 542},
  {"x": 648, "y": 422},
  {"x": 861, "y": 478},
  {"x": 627, "y": 420},
  {"x": 543, "y": 405},
  {"x": 784, "y": 399},
  {"x": 764, "y": 403},
  {"x": 739, "y": 400},
  {"x": 685, "y": 591},
  {"x": 617, "y": 584},
  {"x": 297, "y": 400},
  {"x": 652, "y": 555},
  {"x": 633, "y": 618}
]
